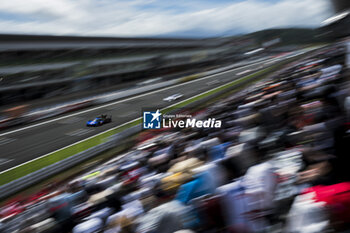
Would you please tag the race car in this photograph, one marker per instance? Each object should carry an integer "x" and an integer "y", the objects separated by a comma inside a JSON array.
[
  {"x": 173, "y": 97},
  {"x": 100, "y": 120}
]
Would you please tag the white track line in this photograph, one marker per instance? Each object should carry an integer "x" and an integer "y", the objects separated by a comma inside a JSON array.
[
  {"x": 3, "y": 161},
  {"x": 244, "y": 72},
  {"x": 124, "y": 100}
]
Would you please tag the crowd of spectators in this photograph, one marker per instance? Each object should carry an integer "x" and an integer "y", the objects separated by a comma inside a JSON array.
[{"x": 279, "y": 163}]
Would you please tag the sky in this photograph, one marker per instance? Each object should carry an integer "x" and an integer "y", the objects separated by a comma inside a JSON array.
[{"x": 157, "y": 18}]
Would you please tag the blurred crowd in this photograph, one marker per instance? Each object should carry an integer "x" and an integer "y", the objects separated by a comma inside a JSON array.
[{"x": 278, "y": 164}]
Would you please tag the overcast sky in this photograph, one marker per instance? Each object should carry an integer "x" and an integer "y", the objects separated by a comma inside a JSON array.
[{"x": 182, "y": 18}]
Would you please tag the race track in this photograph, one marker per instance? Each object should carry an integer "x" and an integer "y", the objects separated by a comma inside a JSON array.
[{"x": 22, "y": 144}]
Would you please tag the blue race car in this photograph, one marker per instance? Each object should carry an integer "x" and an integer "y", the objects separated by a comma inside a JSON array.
[{"x": 100, "y": 120}]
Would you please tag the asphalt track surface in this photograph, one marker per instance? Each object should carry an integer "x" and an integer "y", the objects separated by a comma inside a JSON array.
[{"x": 22, "y": 144}]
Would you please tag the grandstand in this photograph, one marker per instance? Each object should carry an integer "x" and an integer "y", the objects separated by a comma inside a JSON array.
[{"x": 33, "y": 67}]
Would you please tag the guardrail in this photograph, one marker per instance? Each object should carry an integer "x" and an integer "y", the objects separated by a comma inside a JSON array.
[
  {"x": 44, "y": 173},
  {"x": 12, "y": 182}
]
